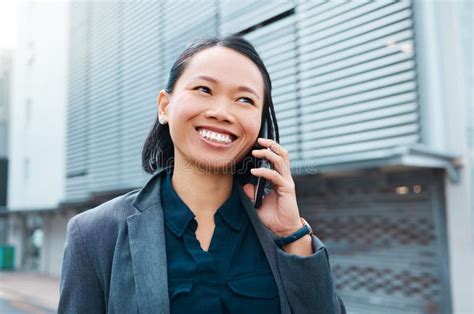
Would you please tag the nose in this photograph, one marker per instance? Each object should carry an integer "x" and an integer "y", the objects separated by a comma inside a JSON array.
[{"x": 219, "y": 112}]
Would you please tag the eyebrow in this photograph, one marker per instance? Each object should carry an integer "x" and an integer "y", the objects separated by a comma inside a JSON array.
[{"x": 213, "y": 80}]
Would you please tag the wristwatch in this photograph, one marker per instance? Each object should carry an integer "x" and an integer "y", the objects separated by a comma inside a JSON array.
[{"x": 306, "y": 229}]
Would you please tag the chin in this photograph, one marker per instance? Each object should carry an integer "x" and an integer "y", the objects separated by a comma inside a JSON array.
[{"x": 216, "y": 166}]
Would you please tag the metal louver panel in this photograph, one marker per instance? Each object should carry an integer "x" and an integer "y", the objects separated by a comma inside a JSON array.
[
  {"x": 142, "y": 78},
  {"x": 105, "y": 103},
  {"x": 357, "y": 79},
  {"x": 343, "y": 74},
  {"x": 77, "y": 110},
  {"x": 184, "y": 22},
  {"x": 240, "y": 15}
]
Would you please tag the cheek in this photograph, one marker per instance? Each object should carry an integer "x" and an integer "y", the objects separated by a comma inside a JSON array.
[
  {"x": 185, "y": 108},
  {"x": 252, "y": 126}
]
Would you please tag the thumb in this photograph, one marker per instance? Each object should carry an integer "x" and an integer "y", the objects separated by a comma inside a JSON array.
[{"x": 248, "y": 189}]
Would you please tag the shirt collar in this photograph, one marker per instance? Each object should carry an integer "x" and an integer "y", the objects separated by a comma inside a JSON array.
[{"x": 177, "y": 214}]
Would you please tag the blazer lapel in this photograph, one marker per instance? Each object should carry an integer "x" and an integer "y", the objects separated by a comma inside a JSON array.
[{"x": 148, "y": 249}]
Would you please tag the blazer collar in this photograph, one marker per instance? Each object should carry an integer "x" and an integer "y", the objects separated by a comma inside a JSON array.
[
  {"x": 148, "y": 247},
  {"x": 149, "y": 195}
]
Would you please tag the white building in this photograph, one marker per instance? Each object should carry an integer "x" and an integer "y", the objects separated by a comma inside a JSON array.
[
  {"x": 5, "y": 82},
  {"x": 37, "y": 135}
]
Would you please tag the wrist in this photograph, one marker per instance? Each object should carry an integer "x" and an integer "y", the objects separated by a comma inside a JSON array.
[
  {"x": 291, "y": 229},
  {"x": 295, "y": 235}
]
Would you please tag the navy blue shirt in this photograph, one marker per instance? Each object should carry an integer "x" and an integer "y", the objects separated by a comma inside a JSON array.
[{"x": 233, "y": 276}]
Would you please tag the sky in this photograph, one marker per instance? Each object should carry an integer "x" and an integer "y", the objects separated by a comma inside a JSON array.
[{"x": 8, "y": 23}]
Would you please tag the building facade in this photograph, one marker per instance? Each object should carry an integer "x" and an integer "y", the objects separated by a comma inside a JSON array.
[
  {"x": 37, "y": 137},
  {"x": 5, "y": 83},
  {"x": 374, "y": 103}
]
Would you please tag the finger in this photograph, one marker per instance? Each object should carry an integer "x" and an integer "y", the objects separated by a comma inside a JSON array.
[
  {"x": 271, "y": 175},
  {"x": 281, "y": 165},
  {"x": 274, "y": 146}
]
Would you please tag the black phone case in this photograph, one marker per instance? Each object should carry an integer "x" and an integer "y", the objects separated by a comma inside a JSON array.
[{"x": 261, "y": 186}]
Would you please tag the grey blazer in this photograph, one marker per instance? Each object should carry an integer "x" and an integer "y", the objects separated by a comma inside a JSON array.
[{"x": 115, "y": 261}]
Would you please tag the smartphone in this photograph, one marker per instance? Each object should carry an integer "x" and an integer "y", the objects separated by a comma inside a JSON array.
[{"x": 262, "y": 187}]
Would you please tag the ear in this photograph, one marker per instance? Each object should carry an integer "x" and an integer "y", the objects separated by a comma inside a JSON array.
[{"x": 163, "y": 101}]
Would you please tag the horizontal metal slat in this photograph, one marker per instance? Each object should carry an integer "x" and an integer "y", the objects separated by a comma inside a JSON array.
[
  {"x": 309, "y": 104},
  {"x": 358, "y": 137},
  {"x": 284, "y": 98},
  {"x": 354, "y": 31},
  {"x": 362, "y": 87},
  {"x": 313, "y": 163},
  {"x": 357, "y": 117},
  {"x": 387, "y": 101},
  {"x": 367, "y": 125},
  {"x": 314, "y": 20},
  {"x": 321, "y": 51},
  {"x": 234, "y": 9},
  {"x": 265, "y": 36},
  {"x": 284, "y": 44},
  {"x": 373, "y": 59},
  {"x": 286, "y": 106},
  {"x": 359, "y": 74},
  {"x": 187, "y": 18},
  {"x": 310, "y": 10},
  {"x": 286, "y": 74},
  {"x": 357, "y": 147},
  {"x": 284, "y": 86},
  {"x": 358, "y": 17}
]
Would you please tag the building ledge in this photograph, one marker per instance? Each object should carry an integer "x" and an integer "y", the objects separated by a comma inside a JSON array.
[{"x": 412, "y": 156}]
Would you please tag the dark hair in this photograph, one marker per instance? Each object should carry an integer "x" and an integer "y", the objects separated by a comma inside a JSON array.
[{"x": 158, "y": 149}]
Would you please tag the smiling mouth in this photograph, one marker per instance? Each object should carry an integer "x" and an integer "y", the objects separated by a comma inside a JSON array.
[{"x": 216, "y": 137}]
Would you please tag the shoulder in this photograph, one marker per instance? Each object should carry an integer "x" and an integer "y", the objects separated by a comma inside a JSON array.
[{"x": 104, "y": 220}]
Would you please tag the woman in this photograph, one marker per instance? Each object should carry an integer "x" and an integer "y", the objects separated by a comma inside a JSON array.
[{"x": 191, "y": 241}]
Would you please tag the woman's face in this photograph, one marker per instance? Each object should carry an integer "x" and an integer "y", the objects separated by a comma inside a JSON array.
[{"x": 215, "y": 109}]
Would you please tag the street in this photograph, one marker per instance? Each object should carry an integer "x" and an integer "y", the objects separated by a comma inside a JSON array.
[{"x": 28, "y": 293}]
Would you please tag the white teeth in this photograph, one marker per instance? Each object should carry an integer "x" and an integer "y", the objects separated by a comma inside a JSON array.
[{"x": 216, "y": 137}]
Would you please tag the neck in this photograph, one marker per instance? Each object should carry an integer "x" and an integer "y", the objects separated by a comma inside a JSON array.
[{"x": 203, "y": 191}]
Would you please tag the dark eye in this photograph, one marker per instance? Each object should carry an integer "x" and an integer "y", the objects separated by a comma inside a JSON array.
[
  {"x": 197, "y": 87},
  {"x": 250, "y": 100}
]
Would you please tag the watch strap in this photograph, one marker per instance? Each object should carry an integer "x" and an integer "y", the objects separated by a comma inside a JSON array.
[{"x": 306, "y": 229}]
